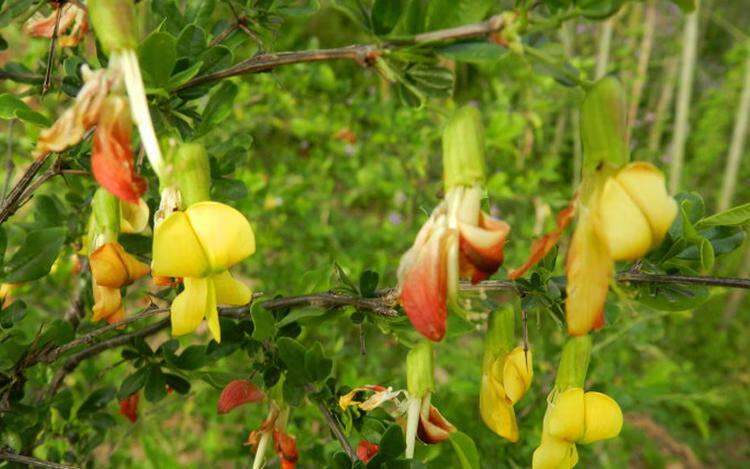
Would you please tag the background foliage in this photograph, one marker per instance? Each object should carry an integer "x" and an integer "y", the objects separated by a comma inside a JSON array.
[{"x": 336, "y": 172}]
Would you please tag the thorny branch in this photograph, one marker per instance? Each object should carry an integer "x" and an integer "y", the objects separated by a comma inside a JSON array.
[{"x": 335, "y": 429}]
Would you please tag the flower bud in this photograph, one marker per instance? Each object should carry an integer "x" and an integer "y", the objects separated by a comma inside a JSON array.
[
  {"x": 419, "y": 379},
  {"x": 463, "y": 149},
  {"x": 574, "y": 363},
  {"x": 114, "y": 23},
  {"x": 517, "y": 373},
  {"x": 604, "y": 126},
  {"x": 193, "y": 173}
]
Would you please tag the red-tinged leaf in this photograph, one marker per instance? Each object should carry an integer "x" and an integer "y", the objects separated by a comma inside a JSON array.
[
  {"x": 481, "y": 247},
  {"x": 425, "y": 291},
  {"x": 236, "y": 393},
  {"x": 129, "y": 407},
  {"x": 433, "y": 427},
  {"x": 544, "y": 245},
  {"x": 286, "y": 448},
  {"x": 112, "y": 155},
  {"x": 366, "y": 450}
]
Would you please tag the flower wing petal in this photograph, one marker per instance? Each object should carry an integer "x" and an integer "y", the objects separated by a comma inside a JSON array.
[
  {"x": 620, "y": 222},
  {"x": 482, "y": 246},
  {"x": 495, "y": 409},
  {"x": 177, "y": 251},
  {"x": 189, "y": 307},
  {"x": 644, "y": 183},
  {"x": 602, "y": 417}
]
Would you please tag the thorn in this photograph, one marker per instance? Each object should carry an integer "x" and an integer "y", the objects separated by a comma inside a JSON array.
[{"x": 525, "y": 338}]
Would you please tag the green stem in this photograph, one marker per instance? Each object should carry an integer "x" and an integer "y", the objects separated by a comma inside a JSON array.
[{"x": 557, "y": 65}]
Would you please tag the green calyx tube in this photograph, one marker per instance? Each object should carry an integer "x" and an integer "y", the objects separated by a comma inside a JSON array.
[
  {"x": 604, "y": 126},
  {"x": 419, "y": 370},
  {"x": 193, "y": 173},
  {"x": 114, "y": 23},
  {"x": 463, "y": 149}
]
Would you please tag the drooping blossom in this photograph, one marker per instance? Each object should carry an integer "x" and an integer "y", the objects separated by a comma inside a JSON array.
[
  {"x": 129, "y": 407},
  {"x": 459, "y": 240},
  {"x": 623, "y": 208},
  {"x": 200, "y": 245}
]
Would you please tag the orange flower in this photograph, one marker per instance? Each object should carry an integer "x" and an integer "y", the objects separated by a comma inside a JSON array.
[
  {"x": 459, "y": 239},
  {"x": 111, "y": 269},
  {"x": 366, "y": 450},
  {"x": 112, "y": 156},
  {"x": 71, "y": 17},
  {"x": 129, "y": 407}
]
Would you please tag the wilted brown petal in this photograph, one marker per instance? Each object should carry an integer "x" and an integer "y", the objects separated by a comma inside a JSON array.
[{"x": 433, "y": 427}]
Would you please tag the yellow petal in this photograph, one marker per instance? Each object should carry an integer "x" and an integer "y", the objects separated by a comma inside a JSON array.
[
  {"x": 565, "y": 419},
  {"x": 177, "y": 251},
  {"x": 230, "y": 291},
  {"x": 621, "y": 223},
  {"x": 589, "y": 270},
  {"x": 224, "y": 233},
  {"x": 644, "y": 183},
  {"x": 554, "y": 453},
  {"x": 133, "y": 217},
  {"x": 190, "y": 306},
  {"x": 517, "y": 374},
  {"x": 496, "y": 410},
  {"x": 603, "y": 417}
]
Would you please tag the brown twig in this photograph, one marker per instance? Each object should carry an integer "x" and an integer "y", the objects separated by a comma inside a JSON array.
[
  {"x": 11, "y": 202},
  {"x": 334, "y": 426},
  {"x": 51, "y": 54},
  {"x": 360, "y": 53},
  {"x": 8, "y": 455}
]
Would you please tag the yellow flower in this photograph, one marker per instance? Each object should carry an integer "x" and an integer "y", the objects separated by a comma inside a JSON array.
[
  {"x": 575, "y": 417},
  {"x": 504, "y": 382},
  {"x": 199, "y": 245}
]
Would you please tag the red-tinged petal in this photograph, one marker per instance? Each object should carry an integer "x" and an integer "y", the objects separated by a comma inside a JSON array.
[
  {"x": 107, "y": 304},
  {"x": 544, "y": 245},
  {"x": 236, "y": 393},
  {"x": 589, "y": 271},
  {"x": 366, "y": 450},
  {"x": 424, "y": 291},
  {"x": 41, "y": 26},
  {"x": 482, "y": 246},
  {"x": 433, "y": 427},
  {"x": 129, "y": 407},
  {"x": 253, "y": 440},
  {"x": 286, "y": 448},
  {"x": 112, "y": 156}
]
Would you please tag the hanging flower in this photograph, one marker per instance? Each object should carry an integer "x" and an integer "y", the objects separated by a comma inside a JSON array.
[
  {"x": 239, "y": 392},
  {"x": 459, "y": 239},
  {"x": 624, "y": 210},
  {"x": 111, "y": 269},
  {"x": 199, "y": 245},
  {"x": 504, "y": 382},
  {"x": 366, "y": 450},
  {"x": 574, "y": 416},
  {"x": 129, "y": 407},
  {"x": 71, "y": 17}
]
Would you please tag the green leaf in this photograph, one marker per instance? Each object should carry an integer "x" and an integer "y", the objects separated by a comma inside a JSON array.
[
  {"x": 96, "y": 401},
  {"x": 183, "y": 76},
  {"x": 157, "y": 55},
  {"x": 12, "y": 314},
  {"x": 192, "y": 358},
  {"x": 35, "y": 257},
  {"x": 291, "y": 352},
  {"x": 443, "y": 14},
  {"x": 392, "y": 444},
  {"x": 133, "y": 383},
  {"x": 466, "y": 450},
  {"x": 228, "y": 189},
  {"x": 178, "y": 383},
  {"x": 263, "y": 323},
  {"x": 63, "y": 402},
  {"x": 214, "y": 59},
  {"x": 317, "y": 365},
  {"x": 356, "y": 10},
  {"x": 301, "y": 313},
  {"x": 368, "y": 282},
  {"x": 191, "y": 42},
  {"x": 482, "y": 52},
  {"x": 672, "y": 297},
  {"x": 219, "y": 106},
  {"x": 385, "y": 15},
  {"x": 412, "y": 19},
  {"x": 156, "y": 385},
  {"x": 12, "y": 107},
  {"x": 734, "y": 216}
]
